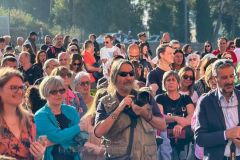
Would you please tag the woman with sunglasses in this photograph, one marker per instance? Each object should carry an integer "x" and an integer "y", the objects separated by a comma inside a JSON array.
[
  {"x": 73, "y": 48},
  {"x": 58, "y": 121},
  {"x": 178, "y": 110},
  {"x": 17, "y": 129},
  {"x": 70, "y": 98},
  {"x": 207, "y": 49},
  {"x": 82, "y": 85},
  {"x": 76, "y": 63},
  {"x": 187, "y": 79}
]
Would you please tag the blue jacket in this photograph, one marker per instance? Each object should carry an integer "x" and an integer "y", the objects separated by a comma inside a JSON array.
[{"x": 46, "y": 124}]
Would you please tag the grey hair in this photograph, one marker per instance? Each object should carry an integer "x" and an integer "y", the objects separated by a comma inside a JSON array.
[
  {"x": 193, "y": 55},
  {"x": 62, "y": 53},
  {"x": 220, "y": 64},
  {"x": 49, "y": 83},
  {"x": 49, "y": 61},
  {"x": 20, "y": 38},
  {"x": 79, "y": 76},
  {"x": 174, "y": 41}
]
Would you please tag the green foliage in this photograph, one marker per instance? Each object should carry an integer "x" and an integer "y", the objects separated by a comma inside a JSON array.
[{"x": 204, "y": 26}]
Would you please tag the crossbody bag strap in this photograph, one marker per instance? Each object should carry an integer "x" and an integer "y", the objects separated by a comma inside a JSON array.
[{"x": 131, "y": 136}]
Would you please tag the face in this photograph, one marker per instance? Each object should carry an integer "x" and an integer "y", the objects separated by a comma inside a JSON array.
[
  {"x": 59, "y": 40},
  {"x": 189, "y": 50},
  {"x": 212, "y": 83},
  {"x": 56, "y": 96},
  {"x": 225, "y": 79},
  {"x": 125, "y": 78},
  {"x": 176, "y": 46},
  {"x": 168, "y": 56},
  {"x": 108, "y": 42},
  {"x": 51, "y": 66},
  {"x": 24, "y": 59},
  {"x": 20, "y": 42},
  {"x": 134, "y": 53},
  {"x": 72, "y": 49},
  {"x": 84, "y": 86},
  {"x": 171, "y": 84},
  {"x": 76, "y": 65},
  {"x": 11, "y": 64},
  {"x": 12, "y": 93},
  {"x": 25, "y": 49},
  {"x": 207, "y": 47},
  {"x": 178, "y": 58},
  {"x": 232, "y": 47},
  {"x": 187, "y": 79},
  {"x": 92, "y": 38},
  {"x": 66, "y": 76},
  {"x": 193, "y": 62},
  {"x": 34, "y": 38},
  {"x": 42, "y": 57},
  {"x": 222, "y": 44},
  {"x": 48, "y": 40},
  {"x": 64, "y": 60},
  {"x": 227, "y": 56},
  {"x": 2, "y": 45},
  {"x": 145, "y": 50},
  {"x": 143, "y": 38}
]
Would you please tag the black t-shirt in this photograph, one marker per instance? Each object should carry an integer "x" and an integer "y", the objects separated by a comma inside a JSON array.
[
  {"x": 63, "y": 122},
  {"x": 176, "y": 107},
  {"x": 52, "y": 51},
  {"x": 147, "y": 65},
  {"x": 32, "y": 74},
  {"x": 102, "y": 114},
  {"x": 155, "y": 76}
]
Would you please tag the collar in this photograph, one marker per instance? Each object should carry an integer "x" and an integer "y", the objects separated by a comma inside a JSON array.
[{"x": 220, "y": 95}]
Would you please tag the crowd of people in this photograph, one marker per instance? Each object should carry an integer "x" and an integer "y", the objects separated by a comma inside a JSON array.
[{"x": 61, "y": 101}]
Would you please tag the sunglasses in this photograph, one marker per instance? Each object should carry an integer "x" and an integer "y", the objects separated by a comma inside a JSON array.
[
  {"x": 63, "y": 75},
  {"x": 72, "y": 50},
  {"x": 15, "y": 89},
  {"x": 188, "y": 77},
  {"x": 55, "y": 92},
  {"x": 86, "y": 83},
  {"x": 207, "y": 46},
  {"x": 124, "y": 74},
  {"x": 106, "y": 42},
  {"x": 77, "y": 64},
  {"x": 232, "y": 47}
]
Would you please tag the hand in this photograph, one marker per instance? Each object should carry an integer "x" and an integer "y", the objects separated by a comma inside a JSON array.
[
  {"x": 83, "y": 125},
  {"x": 177, "y": 130},
  {"x": 236, "y": 141},
  {"x": 127, "y": 101},
  {"x": 233, "y": 133},
  {"x": 181, "y": 120},
  {"x": 37, "y": 150},
  {"x": 141, "y": 111}
]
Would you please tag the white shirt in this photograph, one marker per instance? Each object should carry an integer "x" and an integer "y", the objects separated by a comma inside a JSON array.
[
  {"x": 237, "y": 53},
  {"x": 230, "y": 112}
]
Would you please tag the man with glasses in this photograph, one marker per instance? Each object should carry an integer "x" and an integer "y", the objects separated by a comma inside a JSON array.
[
  {"x": 108, "y": 52},
  {"x": 119, "y": 120},
  {"x": 218, "y": 114},
  {"x": 53, "y": 51}
]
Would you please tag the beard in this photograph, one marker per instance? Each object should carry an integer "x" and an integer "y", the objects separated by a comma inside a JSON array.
[{"x": 126, "y": 86}]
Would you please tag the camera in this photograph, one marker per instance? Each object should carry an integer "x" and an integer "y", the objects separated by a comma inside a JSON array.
[{"x": 142, "y": 97}]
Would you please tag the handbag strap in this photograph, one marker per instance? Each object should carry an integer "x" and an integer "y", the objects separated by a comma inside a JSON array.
[{"x": 131, "y": 136}]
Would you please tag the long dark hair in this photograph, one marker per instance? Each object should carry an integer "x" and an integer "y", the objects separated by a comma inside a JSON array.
[{"x": 181, "y": 73}]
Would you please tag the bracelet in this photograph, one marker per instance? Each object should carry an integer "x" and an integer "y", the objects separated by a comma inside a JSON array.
[{"x": 113, "y": 116}]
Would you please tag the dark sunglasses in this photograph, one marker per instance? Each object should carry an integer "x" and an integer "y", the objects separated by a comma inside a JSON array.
[
  {"x": 86, "y": 83},
  {"x": 63, "y": 75},
  {"x": 15, "y": 89},
  {"x": 188, "y": 77},
  {"x": 207, "y": 46},
  {"x": 55, "y": 92},
  {"x": 124, "y": 74},
  {"x": 232, "y": 47},
  {"x": 77, "y": 64},
  {"x": 72, "y": 50}
]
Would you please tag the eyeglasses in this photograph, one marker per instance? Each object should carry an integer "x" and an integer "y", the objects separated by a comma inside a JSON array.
[
  {"x": 77, "y": 64},
  {"x": 106, "y": 42},
  {"x": 124, "y": 74},
  {"x": 86, "y": 83},
  {"x": 15, "y": 88},
  {"x": 63, "y": 75},
  {"x": 233, "y": 47},
  {"x": 72, "y": 50},
  {"x": 192, "y": 59},
  {"x": 55, "y": 92},
  {"x": 207, "y": 46},
  {"x": 188, "y": 77}
]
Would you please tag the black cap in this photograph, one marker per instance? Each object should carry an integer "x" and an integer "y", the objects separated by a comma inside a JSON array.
[
  {"x": 32, "y": 34},
  {"x": 142, "y": 34}
]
